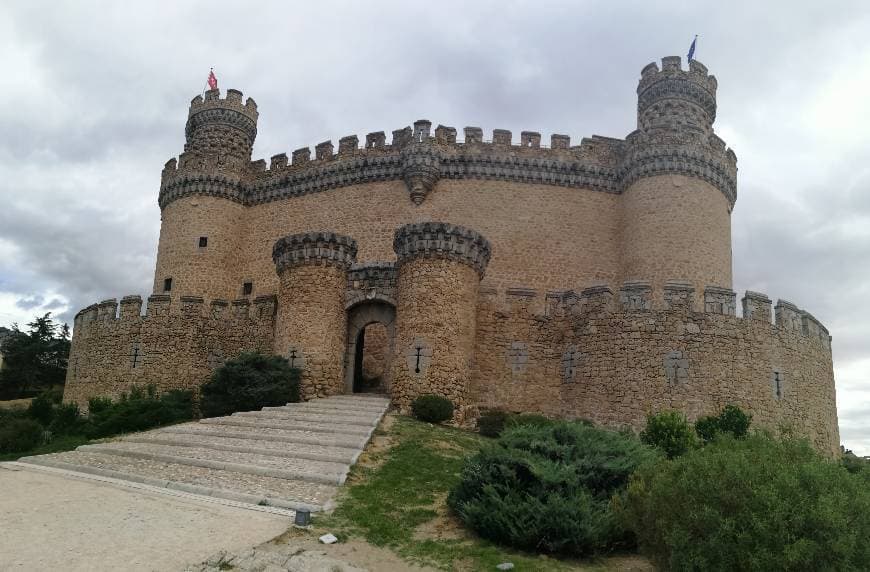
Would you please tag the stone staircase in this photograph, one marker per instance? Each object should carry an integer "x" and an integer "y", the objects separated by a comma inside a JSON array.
[{"x": 291, "y": 457}]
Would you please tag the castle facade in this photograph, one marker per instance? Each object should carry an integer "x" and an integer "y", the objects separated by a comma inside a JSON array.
[{"x": 586, "y": 281}]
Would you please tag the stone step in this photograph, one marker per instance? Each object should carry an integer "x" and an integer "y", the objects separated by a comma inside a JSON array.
[
  {"x": 329, "y": 407},
  {"x": 290, "y": 425},
  {"x": 365, "y": 421},
  {"x": 251, "y": 463},
  {"x": 281, "y": 435},
  {"x": 243, "y": 487},
  {"x": 249, "y": 445},
  {"x": 359, "y": 397}
]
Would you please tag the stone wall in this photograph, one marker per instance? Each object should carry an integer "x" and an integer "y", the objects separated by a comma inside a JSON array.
[
  {"x": 613, "y": 358},
  {"x": 175, "y": 345}
]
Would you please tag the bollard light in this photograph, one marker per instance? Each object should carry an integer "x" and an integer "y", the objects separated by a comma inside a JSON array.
[{"x": 303, "y": 518}]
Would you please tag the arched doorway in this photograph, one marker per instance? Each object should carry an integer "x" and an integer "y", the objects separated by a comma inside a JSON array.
[{"x": 370, "y": 334}]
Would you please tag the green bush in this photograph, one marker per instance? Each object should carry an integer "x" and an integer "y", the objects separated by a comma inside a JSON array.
[
  {"x": 251, "y": 381},
  {"x": 731, "y": 420},
  {"x": 670, "y": 432},
  {"x": 67, "y": 420},
  {"x": 432, "y": 408},
  {"x": 139, "y": 410},
  {"x": 41, "y": 409},
  {"x": 491, "y": 423},
  {"x": 548, "y": 488},
  {"x": 18, "y": 434},
  {"x": 750, "y": 504},
  {"x": 98, "y": 404},
  {"x": 531, "y": 419}
]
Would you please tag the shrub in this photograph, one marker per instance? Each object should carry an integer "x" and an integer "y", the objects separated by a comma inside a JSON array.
[
  {"x": 98, "y": 404},
  {"x": 491, "y": 423},
  {"x": 670, "y": 432},
  {"x": 750, "y": 504},
  {"x": 531, "y": 419},
  {"x": 548, "y": 488},
  {"x": 432, "y": 408},
  {"x": 139, "y": 410},
  {"x": 18, "y": 434},
  {"x": 731, "y": 420},
  {"x": 67, "y": 420},
  {"x": 41, "y": 409},
  {"x": 251, "y": 381}
]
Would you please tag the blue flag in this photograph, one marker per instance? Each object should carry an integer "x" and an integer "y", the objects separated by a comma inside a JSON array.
[{"x": 691, "y": 55}]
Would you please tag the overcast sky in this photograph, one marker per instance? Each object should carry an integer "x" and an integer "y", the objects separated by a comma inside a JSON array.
[{"x": 95, "y": 94}]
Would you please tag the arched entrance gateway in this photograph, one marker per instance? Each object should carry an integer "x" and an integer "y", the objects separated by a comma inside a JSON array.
[
  {"x": 371, "y": 315},
  {"x": 370, "y": 347}
]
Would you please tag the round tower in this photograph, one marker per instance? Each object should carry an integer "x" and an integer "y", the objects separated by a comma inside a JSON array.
[
  {"x": 440, "y": 266},
  {"x": 679, "y": 182},
  {"x": 201, "y": 201},
  {"x": 312, "y": 323}
]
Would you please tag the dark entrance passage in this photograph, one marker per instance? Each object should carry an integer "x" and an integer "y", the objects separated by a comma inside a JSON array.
[{"x": 370, "y": 332}]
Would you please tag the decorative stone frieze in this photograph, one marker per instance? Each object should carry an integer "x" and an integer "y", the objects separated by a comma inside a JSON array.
[
  {"x": 442, "y": 240},
  {"x": 314, "y": 248}
]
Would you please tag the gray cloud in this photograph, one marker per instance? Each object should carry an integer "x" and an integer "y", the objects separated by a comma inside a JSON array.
[{"x": 95, "y": 99}]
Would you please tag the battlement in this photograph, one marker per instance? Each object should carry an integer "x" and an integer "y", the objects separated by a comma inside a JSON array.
[
  {"x": 162, "y": 306},
  {"x": 232, "y": 101},
  {"x": 314, "y": 248},
  {"x": 442, "y": 240},
  {"x": 672, "y": 99},
  {"x": 638, "y": 297}
]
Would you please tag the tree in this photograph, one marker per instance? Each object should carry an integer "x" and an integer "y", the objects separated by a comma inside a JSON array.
[{"x": 35, "y": 360}]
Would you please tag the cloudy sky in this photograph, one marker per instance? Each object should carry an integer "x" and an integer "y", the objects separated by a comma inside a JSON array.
[{"x": 94, "y": 99}]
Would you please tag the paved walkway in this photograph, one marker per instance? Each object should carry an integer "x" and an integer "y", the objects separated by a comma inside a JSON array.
[
  {"x": 52, "y": 520},
  {"x": 291, "y": 457}
]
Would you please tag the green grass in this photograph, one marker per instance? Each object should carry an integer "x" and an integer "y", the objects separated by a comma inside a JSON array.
[
  {"x": 386, "y": 504},
  {"x": 57, "y": 445}
]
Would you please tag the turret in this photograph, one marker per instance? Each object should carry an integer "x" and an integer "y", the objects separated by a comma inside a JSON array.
[
  {"x": 679, "y": 181},
  {"x": 675, "y": 99},
  {"x": 201, "y": 201},
  {"x": 222, "y": 128}
]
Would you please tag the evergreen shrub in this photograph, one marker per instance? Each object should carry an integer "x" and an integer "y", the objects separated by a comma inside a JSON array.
[
  {"x": 251, "y": 381},
  {"x": 432, "y": 408}
]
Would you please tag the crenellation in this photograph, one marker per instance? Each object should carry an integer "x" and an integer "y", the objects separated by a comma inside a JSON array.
[
  {"x": 376, "y": 140},
  {"x": 191, "y": 306},
  {"x": 278, "y": 162},
  {"x": 473, "y": 135},
  {"x": 158, "y": 305},
  {"x": 560, "y": 142},
  {"x": 679, "y": 295},
  {"x": 131, "y": 307},
  {"x": 402, "y": 137},
  {"x": 219, "y": 309},
  {"x": 258, "y": 167},
  {"x": 323, "y": 151},
  {"x": 107, "y": 309},
  {"x": 635, "y": 295},
  {"x": 422, "y": 127},
  {"x": 445, "y": 135},
  {"x": 756, "y": 307},
  {"x": 301, "y": 156},
  {"x": 348, "y": 145},
  {"x": 241, "y": 309},
  {"x": 501, "y": 138},
  {"x": 531, "y": 139},
  {"x": 718, "y": 300},
  {"x": 788, "y": 316},
  {"x": 265, "y": 306}
]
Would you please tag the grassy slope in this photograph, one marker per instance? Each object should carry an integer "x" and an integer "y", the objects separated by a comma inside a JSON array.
[
  {"x": 394, "y": 494},
  {"x": 57, "y": 445}
]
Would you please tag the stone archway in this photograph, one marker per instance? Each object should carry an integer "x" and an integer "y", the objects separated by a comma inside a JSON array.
[{"x": 359, "y": 317}]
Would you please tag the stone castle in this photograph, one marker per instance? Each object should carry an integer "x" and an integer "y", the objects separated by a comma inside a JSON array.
[{"x": 585, "y": 281}]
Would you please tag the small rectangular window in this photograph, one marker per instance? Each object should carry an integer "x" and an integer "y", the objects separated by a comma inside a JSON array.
[
  {"x": 167, "y": 284},
  {"x": 247, "y": 288},
  {"x": 203, "y": 241}
]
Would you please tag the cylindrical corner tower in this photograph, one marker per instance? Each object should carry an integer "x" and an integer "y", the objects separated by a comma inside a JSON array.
[
  {"x": 201, "y": 201},
  {"x": 680, "y": 182},
  {"x": 311, "y": 322},
  {"x": 440, "y": 266}
]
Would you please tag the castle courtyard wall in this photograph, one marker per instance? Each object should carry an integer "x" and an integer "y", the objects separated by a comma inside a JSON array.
[{"x": 565, "y": 356}]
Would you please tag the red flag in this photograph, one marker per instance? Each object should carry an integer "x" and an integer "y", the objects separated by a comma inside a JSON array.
[{"x": 212, "y": 80}]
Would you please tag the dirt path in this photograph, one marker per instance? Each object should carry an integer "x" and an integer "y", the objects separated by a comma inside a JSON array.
[{"x": 55, "y": 522}]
